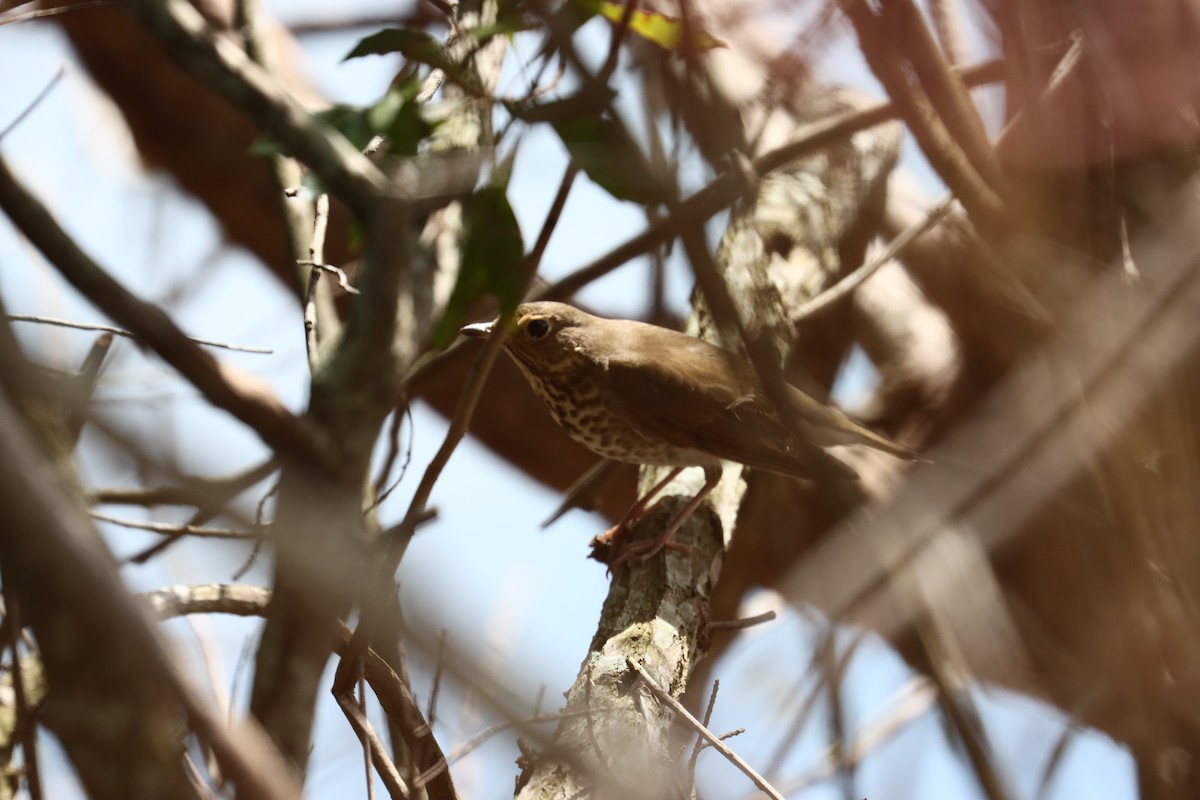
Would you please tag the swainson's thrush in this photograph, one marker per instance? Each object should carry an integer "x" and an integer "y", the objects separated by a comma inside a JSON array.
[{"x": 642, "y": 394}]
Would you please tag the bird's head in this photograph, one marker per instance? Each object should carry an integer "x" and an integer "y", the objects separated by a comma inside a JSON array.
[{"x": 544, "y": 338}]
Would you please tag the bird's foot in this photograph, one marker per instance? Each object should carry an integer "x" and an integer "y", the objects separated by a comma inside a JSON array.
[
  {"x": 647, "y": 549},
  {"x": 608, "y": 544},
  {"x": 610, "y": 541}
]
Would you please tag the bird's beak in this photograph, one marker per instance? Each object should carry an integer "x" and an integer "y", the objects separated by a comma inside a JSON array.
[{"x": 480, "y": 330}]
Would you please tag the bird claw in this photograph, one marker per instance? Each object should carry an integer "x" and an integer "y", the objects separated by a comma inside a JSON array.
[
  {"x": 645, "y": 550},
  {"x": 604, "y": 546}
]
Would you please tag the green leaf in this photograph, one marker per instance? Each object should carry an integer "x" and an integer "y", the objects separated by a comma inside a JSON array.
[
  {"x": 396, "y": 116},
  {"x": 509, "y": 20},
  {"x": 597, "y": 144},
  {"x": 493, "y": 253},
  {"x": 415, "y": 46},
  {"x": 609, "y": 158},
  {"x": 662, "y": 29},
  {"x": 349, "y": 121},
  {"x": 585, "y": 9},
  {"x": 266, "y": 145}
]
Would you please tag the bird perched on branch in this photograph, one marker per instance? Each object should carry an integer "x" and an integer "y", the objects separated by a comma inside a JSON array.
[{"x": 641, "y": 394}]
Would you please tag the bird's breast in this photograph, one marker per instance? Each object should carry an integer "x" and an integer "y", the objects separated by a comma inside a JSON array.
[{"x": 581, "y": 409}]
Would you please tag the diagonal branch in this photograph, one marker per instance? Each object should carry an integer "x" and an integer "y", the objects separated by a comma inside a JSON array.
[
  {"x": 239, "y": 394},
  {"x": 100, "y": 649},
  {"x": 713, "y": 740},
  {"x": 727, "y": 187},
  {"x": 939, "y": 145},
  {"x": 1036, "y": 433},
  {"x": 226, "y": 68}
]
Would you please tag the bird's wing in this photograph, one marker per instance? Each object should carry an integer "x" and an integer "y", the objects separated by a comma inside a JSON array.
[{"x": 694, "y": 395}]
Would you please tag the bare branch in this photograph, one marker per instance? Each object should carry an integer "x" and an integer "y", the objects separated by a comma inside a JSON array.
[
  {"x": 397, "y": 790},
  {"x": 34, "y": 103},
  {"x": 713, "y": 740},
  {"x": 87, "y": 326},
  {"x": 726, "y": 188},
  {"x": 239, "y": 394},
  {"x": 741, "y": 624},
  {"x": 49, "y": 542},
  {"x": 169, "y": 529},
  {"x": 895, "y": 248},
  {"x": 227, "y": 69}
]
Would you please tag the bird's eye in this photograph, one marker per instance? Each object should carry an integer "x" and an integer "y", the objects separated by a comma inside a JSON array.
[{"x": 537, "y": 328}]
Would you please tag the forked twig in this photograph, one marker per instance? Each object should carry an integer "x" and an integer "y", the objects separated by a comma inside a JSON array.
[
  {"x": 115, "y": 331},
  {"x": 714, "y": 741},
  {"x": 378, "y": 753}
]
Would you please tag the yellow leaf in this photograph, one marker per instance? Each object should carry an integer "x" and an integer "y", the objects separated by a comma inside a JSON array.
[{"x": 664, "y": 30}]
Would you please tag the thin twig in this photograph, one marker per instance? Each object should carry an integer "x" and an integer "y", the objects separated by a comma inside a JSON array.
[
  {"x": 614, "y": 47},
  {"x": 431, "y": 709},
  {"x": 944, "y": 88},
  {"x": 244, "y": 397},
  {"x": 948, "y": 23},
  {"x": 321, "y": 321},
  {"x": 316, "y": 324},
  {"x": 26, "y": 728},
  {"x": 529, "y": 266},
  {"x": 248, "y": 564},
  {"x": 468, "y": 399},
  {"x": 49, "y": 534},
  {"x": 710, "y": 200},
  {"x": 301, "y": 223},
  {"x": 368, "y": 765},
  {"x": 337, "y": 272},
  {"x": 209, "y": 497},
  {"x": 259, "y": 515},
  {"x": 198, "y": 782},
  {"x": 699, "y": 746},
  {"x": 741, "y": 624},
  {"x": 954, "y": 697},
  {"x": 534, "y": 259},
  {"x": 175, "y": 530},
  {"x": 225, "y": 68},
  {"x": 25, "y": 16},
  {"x": 380, "y": 488},
  {"x": 311, "y": 348},
  {"x": 387, "y": 771},
  {"x": 724, "y": 189},
  {"x": 87, "y": 326},
  {"x": 408, "y": 453},
  {"x": 958, "y": 167},
  {"x": 858, "y": 277},
  {"x": 911, "y": 702},
  {"x": 693, "y": 723},
  {"x": 481, "y": 738},
  {"x": 190, "y": 491},
  {"x": 1057, "y": 754},
  {"x": 34, "y": 103}
]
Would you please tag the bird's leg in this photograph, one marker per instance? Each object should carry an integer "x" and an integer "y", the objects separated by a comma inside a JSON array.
[
  {"x": 646, "y": 549},
  {"x": 637, "y": 511}
]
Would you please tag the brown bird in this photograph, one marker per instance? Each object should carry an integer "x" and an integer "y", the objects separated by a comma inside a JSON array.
[{"x": 642, "y": 394}]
